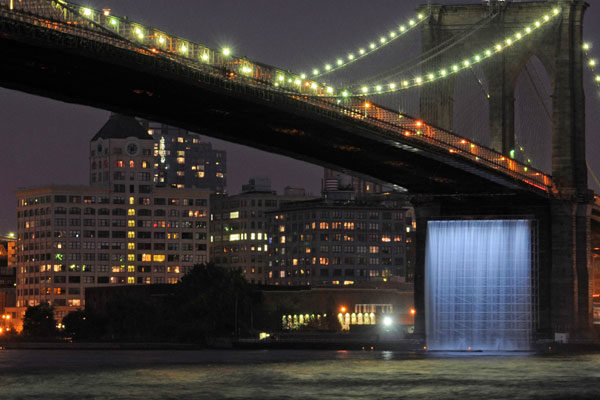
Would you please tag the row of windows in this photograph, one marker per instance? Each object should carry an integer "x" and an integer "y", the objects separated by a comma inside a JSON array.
[
  {"x": 346, "y": 214},
  {"x": 104, "y": 200},
  {"x": 325, "y": 272},
  {"x": 340, "y": 261}
]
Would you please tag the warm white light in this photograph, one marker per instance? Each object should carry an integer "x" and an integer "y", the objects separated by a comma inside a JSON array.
[
  {"x": 393, "y": 85},
  {"x": 382, "y": 40},
  {"x": 455, "y": 67},
  {"x": 402, "y": 28},
  {"x": 466, "y": 63},
  {"x": 327, "y": 67},
  {"x": 313, "y": 85},
  {"x": 387, "y": 321},
  {"x": 161, "y": 40},
  {"x": 372, "y": 45},
  {"x": 345, "y": 93},
  {"x": 528, "y": 29},
  {"x": 340, "y": 61},
  {"x": 350, "y": 56},
  {"x": 546, "y": 17},
  {"x": 411, "y": 22},
  {"x": 280, "y": 77},
  {"x": 518, "y": 36},
  {"x": 586, "y": 46},
  {"x": 378, "y": 88},
  {"x": 87, "y": 12},
  {"x": 592, "y": 62},
  {"x": 420, "y": 16},
  {"x": 537, "y": 24},
  {"x": 365, "y": 89},
  {"x": 597, "y": 78},
  {"x": 184, "y": 48},
  {"x": 418, "y": 79},
  {"x": 404, "y": 83},
  {"x": 508, "y": 42},
  {"x": 329, "y": 90},
  {"x": 477, "y": 58},
  {"x": 431, "y": 76},
  {"x": 303, "y": 76},
  {"x": 392, "y": 34},
  {"x": 226, "y": 51},
  {"x": 498, "y": 47},
  {"x": 315, "y": 71},
  {"x": 361, "y": 51},
  {"x": 488, "y": 52},
  {"x": 443, "y": 72}
]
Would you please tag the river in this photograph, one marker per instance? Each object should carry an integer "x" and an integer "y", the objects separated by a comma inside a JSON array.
[{"x": 289, "y": 374}]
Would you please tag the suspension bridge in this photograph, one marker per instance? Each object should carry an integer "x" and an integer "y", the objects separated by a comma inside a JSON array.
[{"x": 89, "y": 56}]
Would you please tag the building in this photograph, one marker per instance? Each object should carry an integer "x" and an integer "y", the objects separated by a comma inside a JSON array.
[
  {"x": 7, "y": 275},
  {"x": 341, "y": 240},
  {"x": 120, "y": 230},
  {"x": 240, "y": 224},
  {"x": 334, "y": 180},
  {"x": 182, "y": 160}
]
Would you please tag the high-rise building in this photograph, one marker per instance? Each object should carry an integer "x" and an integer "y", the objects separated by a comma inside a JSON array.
[
  {"x": 121, "y": 230},
  {"x": 334, "y": 180},
  {"x": 182, "y": 160},
  {"x": 240, "y": 224},
  {"x": 7, "y": 276},
  {"x": 340, "y": 240}
]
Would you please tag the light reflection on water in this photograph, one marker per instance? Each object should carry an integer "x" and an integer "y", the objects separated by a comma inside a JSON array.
[{"x": 294, "y": 375}]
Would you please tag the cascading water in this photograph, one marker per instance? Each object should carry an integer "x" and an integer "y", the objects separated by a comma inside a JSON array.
[{"x": 478, "y": 281}]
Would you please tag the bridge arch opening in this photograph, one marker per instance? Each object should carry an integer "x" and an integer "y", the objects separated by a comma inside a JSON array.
[
  {"x": 533, "y": 115},
  {"x": 471, "y": 106}
]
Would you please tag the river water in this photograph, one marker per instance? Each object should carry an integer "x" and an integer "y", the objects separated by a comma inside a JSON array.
[{"x": 288, "y": 374}]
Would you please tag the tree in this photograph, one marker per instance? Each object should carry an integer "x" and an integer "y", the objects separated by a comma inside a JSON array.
[
  {"x": 83, "y": 325},
  {"x": 39, "y": 322}
]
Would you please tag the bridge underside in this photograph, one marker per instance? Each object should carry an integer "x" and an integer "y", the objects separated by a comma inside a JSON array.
[{"x": 81, "y": 71}]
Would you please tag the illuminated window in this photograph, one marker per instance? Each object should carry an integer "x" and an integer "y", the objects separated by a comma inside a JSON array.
[
  {"x": 131, "y": 268},
  {"x": 116, "y": 268},
  {"x": 180, "y": 160},
  {"x": 130, "y": 280},
  {"x": 131, "y": 257},
  {"x": 131, "y": 234},
  {"x": 349, "y": 225},
  {"x": 386, "y": 239},
  {"x": 132, "y": 200},
  {"x": 253, "y": 236},
  {"x": 130, "y": 246},
  {"x": 281, "y": 228},
  {"x": 180, "y": 139},
  {"x": 180, "y": 173},
  {"x": 120, "y": 164},
  {"x": 144, "y": 164},
  {"x": 234, "y": 237},
  {"x": 159, "y": 257},
  {"x": 373, "y": 249},
  {"x": 146, "y": 257},
  {"x": 131, "y": 164},
  {"x": 295, "y": 262},
  {"x": 131, "y": 223},
  {"x": 260, "y": 236},
  {"x": 200, "y": 174},
  {"x": 323, "y": 225},
  {"x": 234, "y": 215},
  {"x": 282, "y": 274},
  {"x": 324, "y": 261},
  {"x": 131, "y": 212},
  {"x": 282, "y": 239},
  {"x": 219, "y": 174}
]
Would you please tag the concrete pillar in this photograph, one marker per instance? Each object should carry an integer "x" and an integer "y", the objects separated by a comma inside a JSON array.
[
  {"x": 424, "y": 212},
  {"x": 502, "y": 109}
]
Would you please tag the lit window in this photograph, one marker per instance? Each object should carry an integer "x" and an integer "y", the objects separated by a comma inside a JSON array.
[
  {"x": 324, "y": 261},
  {"x": 281, "y": 228},
  {"x": 144, "y": 164},
  {"x": 131, "y": 164},
  {"x": 131, "y": 223},
  {"x": 146, "y": 257},
  {"x": 120, "y": 164},
  {"x": 234, "y": 237},
  {"x": 132, "y": 200},
  {"x": 180, "y": 173},
  {"x": 131, "y": 234},
  {"x": 131, "y": 268},
  {"x": 130, "y": 246},
  {"x": 159, "y": 257},
  {"x": 282, "y": 274},
  {"x": 180, "y": 139},
  {"x": 260, "y": 235},
  {"x": 253, "y": 236},
  {"x": 234, "y": 215},
  {"x": 130, "y": 280},
  {"x": 200, "y": 174},
  {"x": 282, "y": 239},
  {"x": 131, "y": 257},
  {"x": 180, "y": 160},
  {"x": 219, "y": 174},
  {"x": 373, "y": 249},
  {"x": 131, "y": 212}
]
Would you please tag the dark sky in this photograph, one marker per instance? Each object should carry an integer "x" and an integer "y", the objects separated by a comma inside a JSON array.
[{"x": 46, "y": 141}]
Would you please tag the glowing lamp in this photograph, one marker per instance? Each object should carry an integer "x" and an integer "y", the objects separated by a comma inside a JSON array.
[
  {"x": 382, "y": 40},
  {"x": 413, "y": 311},
  {"x": 402, "y": 28},
  {"x": 556, "y": 11},
  {"x": 365, "y": 89},
  {"x": 205, "y": 56},
  {"x": 315, "y": 71},
  {"x": 592, "y": 62},
  {"x": 586, "y": 46},
  {"x": 411, "y": 22},
  {"x": 387, "y": 321},
  {"x": 327, "y": 67},
  {"x": 87, "y": 12},
  {"x": 350, "y": 56},
  {"x": 342, "y": 309},
  {"x": 340, "y": 61},
  {"x": 378, "y": 88},
  {"x": 393, "y": 85},
  {"x": 372, "y": 45},
  {"x": 226, "y": 51},
  {"x": 361, "y": 51}
]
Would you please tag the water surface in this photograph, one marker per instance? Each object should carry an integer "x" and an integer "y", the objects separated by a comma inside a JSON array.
[{"x": 287, "y": 374}]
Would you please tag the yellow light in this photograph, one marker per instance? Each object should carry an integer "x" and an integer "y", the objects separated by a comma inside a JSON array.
[
  {"x": 382, "y": 40},
  {"x": 537, "y": 24},
  {"x": 392, "y": 34},
  {"x": 597, "y": 78},
  {"x": 329, "y": 90},
  {"x": 418, "y": 79},
  {"x": 106, "y": 13},
  {"x": 342, "y": 309},
  {"x": 592, "y": 62},
  {"x": 466, "y": 63},
  {"x": 477, "y": 58},
  {"x": 402, "y": 28},
  {"x": 361, "y": 51},
  {"x": 205, "y": 56},
  {"x": 393, "y": 85},
  {"x": 345, "y": 93},
  {"x": 443, "y": 72},
  {"x": 226, "y": 51},
  {"x": 498, "y": 47},
  {"x": 313, "y": 85},
  {"x": 431, "y": 77},
  {"x": 546, "y": 18},
  {"x": 372, "y": 45},
  {"x": 420, "y": 16},
  {"x": 586, "y": 46},
  {"x": 518, "y": 36},
  {"x": 315, "y": 71},
  {"x": 161, "y": 40},
  {"x": 413, "y": 311},
  {"x": 365, "y": 89},
  {"x": 350, "y": 56},
  {"x": 184, "y": 48},
  {"x": 404, "y": 83},
  {"x": 411, "y": 22},
  {"x": 508, "y": 42},
  {"x": 327, "y": 67},
  {"x": 378, "y": 88},
  {"x": 297, "y": 82},
  {"x": 87, "y": 12},
  {"x": 303, "y": 76},
  {"x": 528, "y": 29},
  {"x": 340, "y": 61},
  {"x": 280, "y": 78},
  {"x": 556, "y": 11},
  {"x": 455, "y": 67}
]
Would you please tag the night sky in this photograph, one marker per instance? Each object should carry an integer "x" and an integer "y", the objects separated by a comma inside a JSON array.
[{"x": 46, "y": 141}]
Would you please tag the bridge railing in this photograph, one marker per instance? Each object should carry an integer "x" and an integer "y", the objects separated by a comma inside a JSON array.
[{"x": 263, "y": 81}]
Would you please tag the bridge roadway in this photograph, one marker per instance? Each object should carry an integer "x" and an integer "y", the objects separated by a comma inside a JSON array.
[{"x": 70, "y": 59}]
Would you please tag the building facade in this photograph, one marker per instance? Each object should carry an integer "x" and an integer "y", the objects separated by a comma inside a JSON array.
[
  {"x": 120, "y": 230},
  {"x": 7, "y": 277},
  {"x": 340, "y": 240},
  {"x": 239, "y": 227},
  {"x": 182, "y": 160}
]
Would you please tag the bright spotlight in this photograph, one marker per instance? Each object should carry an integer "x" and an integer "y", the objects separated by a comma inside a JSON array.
[{"x": 387, "y": 321}]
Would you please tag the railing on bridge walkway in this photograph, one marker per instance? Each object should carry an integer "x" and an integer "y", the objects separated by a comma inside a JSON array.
[{"x": 219, "y": 68}]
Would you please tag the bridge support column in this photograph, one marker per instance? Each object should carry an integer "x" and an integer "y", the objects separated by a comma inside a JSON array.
[
  {"x": 571, "y": 300},
  {"x": 502, "y": 114},
  {"x": 424, "y": 212}
]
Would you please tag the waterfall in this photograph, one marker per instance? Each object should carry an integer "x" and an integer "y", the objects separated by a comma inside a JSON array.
[{"x": 478, "y": 280}]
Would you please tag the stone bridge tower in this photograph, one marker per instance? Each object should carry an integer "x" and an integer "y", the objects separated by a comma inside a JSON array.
[{"x": 558, "y": 46}]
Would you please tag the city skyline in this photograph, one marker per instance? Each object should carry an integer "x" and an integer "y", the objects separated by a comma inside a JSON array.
[{"x": 47, "y": 137}]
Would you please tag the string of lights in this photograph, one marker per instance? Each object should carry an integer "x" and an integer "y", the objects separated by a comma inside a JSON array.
[
  {"x": 592, "y": 63},
  {"x": 456, "y": 67},
  {"x": 375, "y": 45}
]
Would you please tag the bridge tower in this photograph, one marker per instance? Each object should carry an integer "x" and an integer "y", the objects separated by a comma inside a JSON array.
[{"x": 565, "y": 251}]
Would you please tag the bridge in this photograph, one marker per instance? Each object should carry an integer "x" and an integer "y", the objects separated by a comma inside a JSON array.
[{"x": 82, "y": 55}]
